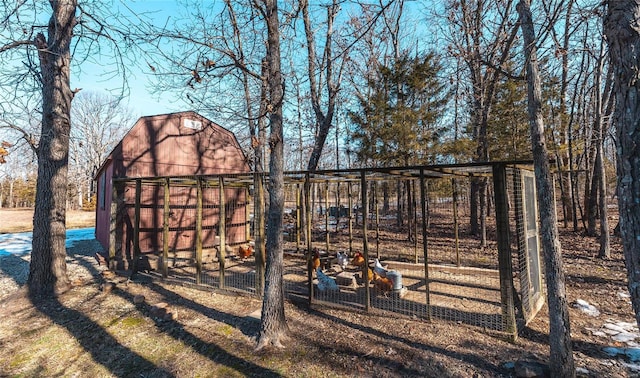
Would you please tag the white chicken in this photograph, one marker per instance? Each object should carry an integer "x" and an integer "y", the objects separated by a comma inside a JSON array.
[
  {"x": 343, "y": 259},
  {"x": 379, "y": 269},
  {"x": 326, "y": 283}
]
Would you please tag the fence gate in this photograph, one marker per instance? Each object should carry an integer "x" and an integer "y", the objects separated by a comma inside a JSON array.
[{"x": 529, "y": 262}]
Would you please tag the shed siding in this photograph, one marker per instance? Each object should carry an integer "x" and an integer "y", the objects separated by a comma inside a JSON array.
[
  {"x": 103, "y": 212},
  {"x": 165, "y": 145}
]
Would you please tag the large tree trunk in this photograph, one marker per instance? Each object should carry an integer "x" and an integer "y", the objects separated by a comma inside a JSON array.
[
  {"x": 273, "y": 326},
  {"x": 48, "y": 269},
  {"x": 623, "y": 33},
  {"x": 561, "y": 355}
]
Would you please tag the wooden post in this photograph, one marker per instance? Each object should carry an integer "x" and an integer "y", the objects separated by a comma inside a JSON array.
[
  {"x": 247, "y": 214},
  {"x": 504, "y": 249},
  {"x": 377, "y": 213},
  {"x": 415, "y": 219},
  {"x": 455, "y": 221},
  {"x": 136, "y": 228},
  {"x": 337, "y": 207},
  {"x": 326, "y": 217},
  {"x": 425, "y": 250},
  {"x": 222, "y": 226},
  {"x": 365, "y": 242},
  {"x": 258, "y": 229},
  {"x": 198, "y": 230},
  {"x": 165, "y": 230},
  {"x": 350, "y": 212},
  {"x": 307, "y": 205},
  {"x": 115, "y": 245},
  {"x": 298, "y": 219}
]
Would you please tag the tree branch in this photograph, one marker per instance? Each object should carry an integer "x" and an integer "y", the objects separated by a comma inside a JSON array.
[{"x": 15, "y": 44}]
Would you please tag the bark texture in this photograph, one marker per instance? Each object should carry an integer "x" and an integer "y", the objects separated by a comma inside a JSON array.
[
  {"x": 48, "y": 270},
  {"x": 273, "y": 326},
  {"x": 561, "y": 353},
  {"x": 623, "y": 34}
]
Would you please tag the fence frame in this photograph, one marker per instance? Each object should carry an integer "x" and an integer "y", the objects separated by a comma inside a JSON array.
[{"x": 302, "y": 182}]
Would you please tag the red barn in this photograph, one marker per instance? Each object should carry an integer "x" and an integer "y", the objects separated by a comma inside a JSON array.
[{"x": 178, "y": 144}]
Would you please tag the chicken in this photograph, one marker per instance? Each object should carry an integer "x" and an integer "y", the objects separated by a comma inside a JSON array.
[
  {"x": 379, "y": 269},
  {"x": 382, "y": 284},
  {"x": 343, "y": 260},
  {"x": 358, "y": 260},
  {"x": 101, "y": 260},
  {"x": 315, "y": 263},
  {"x": 326, "y": 283},
  {"x": 245, "y": 252}
]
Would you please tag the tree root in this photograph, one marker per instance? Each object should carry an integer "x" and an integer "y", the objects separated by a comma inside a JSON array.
[{"x": 275, "y": 341}]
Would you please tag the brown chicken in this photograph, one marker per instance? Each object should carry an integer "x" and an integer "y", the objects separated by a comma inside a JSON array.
[
  {"x": 315, "y": 263},
  {"x": 245, "y": 251},
  {"x": 382, "y": 284},
  {"x": 358, "y": 260}
]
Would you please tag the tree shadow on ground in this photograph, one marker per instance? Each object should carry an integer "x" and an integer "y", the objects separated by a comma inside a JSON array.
[
  {"x": 15, "y": 267},
  {"x": 215, "y": 353},
  {"x": 587, "y": 348},
  {"x": 472, "y": 359},
  {"x": 97, "y": 341},
  {"x": 250, "y": 326}
]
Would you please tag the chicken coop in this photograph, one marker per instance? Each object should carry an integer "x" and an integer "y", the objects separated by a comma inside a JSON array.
[
  {"x": 391, "y": 240},
  {"x": 415, "y": 224},
  {"x": 161, "y": 162}
]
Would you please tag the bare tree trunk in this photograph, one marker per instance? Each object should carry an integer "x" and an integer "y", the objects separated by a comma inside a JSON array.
[
  {"x": 598, "y": 166},
  {"x": 561, "y": 354},
  {"x": 399, "y": 209},
  {"x": 273, "y": 326},
  {"x": 623, "y": 35},
  {"x": 260, "y": 202},
  {"x": 482, "y": 194},
  {"x": 591, "y": 196},
  {"x": 605, "y": 240},
  {"x": 385, "y": 198},
  {"x": 409, "y": 211},
  {"x": 48, "y": 269},
  {"x": 473, "y": 203},
  {"x": 564, "y": 157},
  {"x": 323, "y": 120}
]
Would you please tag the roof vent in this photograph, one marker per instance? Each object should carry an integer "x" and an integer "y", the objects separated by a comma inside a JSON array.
[{"x": 192, "y": 124}]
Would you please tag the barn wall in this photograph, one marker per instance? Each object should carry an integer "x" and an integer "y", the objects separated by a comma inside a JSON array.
[
  {"x": 103, "y": 205},
  {"x": 166, "y": 147},
  {"x": 180, "y": 144},
  {"x": 182, "y": 219}
]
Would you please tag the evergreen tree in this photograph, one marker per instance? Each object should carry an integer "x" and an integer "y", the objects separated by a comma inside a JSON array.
[
  {"x": 508, "y": 128},
  {"x": 398, "y": 122}
]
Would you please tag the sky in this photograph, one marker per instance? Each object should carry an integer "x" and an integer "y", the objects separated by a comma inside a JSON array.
[{"x": 141, "y": 99}]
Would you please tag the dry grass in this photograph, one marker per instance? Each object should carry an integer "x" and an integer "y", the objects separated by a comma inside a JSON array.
[{"x": 21, "y": 220}]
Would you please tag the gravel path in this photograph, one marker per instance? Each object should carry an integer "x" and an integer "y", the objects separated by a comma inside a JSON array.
[{"x": 81, "y": 266}]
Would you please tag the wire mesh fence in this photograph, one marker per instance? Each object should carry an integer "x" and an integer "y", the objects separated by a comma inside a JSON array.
[{"x": 399, "y": 240}]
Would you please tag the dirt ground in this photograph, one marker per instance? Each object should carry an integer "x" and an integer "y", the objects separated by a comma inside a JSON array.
[
  {"x": 21, "y": 220},
  {"x": 99, "y": 330}
]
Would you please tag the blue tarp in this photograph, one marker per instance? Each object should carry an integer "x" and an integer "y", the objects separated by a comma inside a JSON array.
[{"x": 20, "y": 243}]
